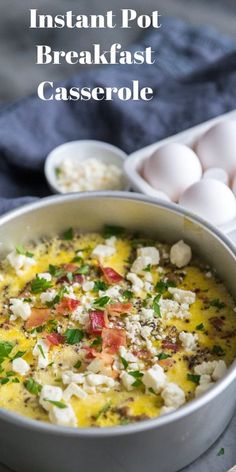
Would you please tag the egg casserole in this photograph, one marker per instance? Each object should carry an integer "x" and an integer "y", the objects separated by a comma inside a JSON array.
[{"x": 108, "y": 329}]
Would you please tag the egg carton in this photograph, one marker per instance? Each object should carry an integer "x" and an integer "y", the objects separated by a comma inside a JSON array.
[{"x": 134, "y": 163}]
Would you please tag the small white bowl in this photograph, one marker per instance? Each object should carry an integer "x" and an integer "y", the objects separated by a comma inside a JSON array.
[{"x": 83, "y": 150}]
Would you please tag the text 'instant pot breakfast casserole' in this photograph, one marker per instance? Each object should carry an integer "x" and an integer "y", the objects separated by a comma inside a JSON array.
[{"x": 109, "y": 329}]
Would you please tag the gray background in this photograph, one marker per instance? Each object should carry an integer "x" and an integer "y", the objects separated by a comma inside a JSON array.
[{"x": 20, "y": 76}]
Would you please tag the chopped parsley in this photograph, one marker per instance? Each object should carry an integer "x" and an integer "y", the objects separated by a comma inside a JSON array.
[
  {"x": 103, "y": 410},
  {"x": 217, "y": 303},
  {"x": 68, "y": 234},
  {"x": 83, "y": 270},
  {"x": 55, "y": 271},
  {"x": 56, "y": 403},
  {"x": 78, "y": 364},
  {"x": 97, "y": 342},
  {"x": 156, "y": 306},
  {"x": 99, "y": 285},
  {"x": 110, "y": 230},
  {"x": 18, "y": 354},
  {"x": 137, "y": 376},
  {"x": 23, "y": 252},
  {"x": 4, "y": 380},
  {"x": 127, "y": 294},
  {"x": 124, "y": 362},
  {"x": 162, "y": 286},
  {"x": 73, "y": 336},
  {"x": 78, "y": 259},
  {"x": 39, "y": 285},
  {"x": 162, "y": 355},
  {"x": 32, "y": 386},
  {"x": 200, "y": 327},
  {"x": 5, "y": 350},
  {"x": 217, "y": 350},
  {"x": 194, "y": 378},
  {"x": 101, "y": 302},
  {"x": 148, "y": 268},
  {"x": 41, "y": 350}
]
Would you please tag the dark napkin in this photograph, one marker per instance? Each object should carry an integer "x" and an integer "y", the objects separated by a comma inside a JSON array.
[{"x": 194, "y": 79}]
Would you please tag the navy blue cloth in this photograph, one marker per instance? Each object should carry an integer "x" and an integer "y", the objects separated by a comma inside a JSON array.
[{"x": 194, "y": 79}]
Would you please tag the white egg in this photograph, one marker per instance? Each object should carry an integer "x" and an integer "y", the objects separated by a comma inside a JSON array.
[
  {"x": 172, "y": 168},
  {"x": 210, "y": 199},
  {"x": 216, "y": 173},
  {"x": 216, "y": 148}
]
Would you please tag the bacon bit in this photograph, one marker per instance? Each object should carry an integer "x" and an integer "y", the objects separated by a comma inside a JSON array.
[
  {"x": 110, "y": 275},
  {"x": 216, "y": 322},
  {"x": 117, "y": 309},
  {"x": 78, "y": 278},
  {"x": 113, "y": 339},
  {"x": 98, "y": 321},
  {"x": 142, "y": 354},
  {"x": 38, "y": 317},
  {"x": 166, "y": 362},
  {"x": 169, "y": 345},
  {"x": 67, "y": 305},
  {"x": 55, "y": 339},
  {"x": 70, "y": 267},
  {"x": 91, "y": 352}
]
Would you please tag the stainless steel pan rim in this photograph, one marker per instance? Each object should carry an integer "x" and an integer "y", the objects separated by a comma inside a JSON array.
[{"x": 158, "y": 422}]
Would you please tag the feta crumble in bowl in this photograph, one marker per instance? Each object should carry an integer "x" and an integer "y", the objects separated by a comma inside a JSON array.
[
  {"x": 115, "y": 319},
  {"x": 86, "y": 165}
]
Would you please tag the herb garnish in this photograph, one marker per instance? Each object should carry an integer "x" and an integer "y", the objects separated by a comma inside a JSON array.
[
  {"x": 194, "y": 378},
  {"x": 39, "y": 285},
  {"x": 23, "y": 252},
  {"x": 137, "y": 376},
  {"x": 221, "y": 452},
  {"x": 55, "y": 271},
  {"x": 127, "y": 294},
  {"x": 110, "y": 230},
  {"x": 200, "y": 327},
  {"x": 162, "y": 286},
  {"x": 156, "y": 306},
  {"x": 101, "y": 302},
  {"x": 217, "y": 303},
  {"x": 68, "y": 234},
  {"x": 97, "y": 341},
  {"x": 124, "y": 362},
  {"x": 5, "y": 349},
  {"x": 18, "y": 354},
  {"x": 99, "y": 285},
  {"x": 73, "y": 336},
  {"x": 163, "y": 355},
  {"x": 217, "y": 350},
  {"x": 41, "y": 350},
  {"x": 103, "y": 410},
  {"x": 32, "y": 386},
  {"x": 56, "y": 403},
  {"x": 83, "y": 270},
  {"x": 78, "y": 364}
]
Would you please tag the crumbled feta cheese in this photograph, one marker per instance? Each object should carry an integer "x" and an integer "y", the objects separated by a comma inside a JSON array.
[
  {"x": 137, "y": 283},
  {"x": 127, "y": 380},
  {"x": 97, "y": 366},
  {"x": 180, "y": 254},
  {"x": 219, "y": 370},
  {"x": 188, "y": 340},
  {"x": 147, "y": 314},
  {"x": 204, "y": 379},
  {"x": 63, "y": 416},
  {"x": 20, "y": 309},
  {"x": 89, "y": 174},
  {"x": 102, "y": 250},
  {"x": 88, "y": 285},
  {"x": 46, "y": 276},
  {"x": 140, "y": 264},
  {"x": 128, "y": 356},
  {"x": 182, "y": 296},
  {"x": 96, "y": 379},
  {"x": 73, "y": 390},
  {"x": 49, "y": 392},
  {"x": 20, "y": 366},
  {"x": 154, "y": 378},
  {"x": 1, "y": 278},
  {"x": 111, "y": 241},
  {"x": 48, "y": 296},
  {"x": 205, "y": 368},
  {"x": 112, "y": 292},
  {"x": 71, "y": 377},
  {"x": 202, "y": 388},
  {"x": 173, "y": 395},
  {"x": 148, "y": 277},
  {"x": 208, "y": 275},
  {"x": 20, "y": 262},
  {"x": 166, "y": 409},
  {"x": 151, "y": 252},
  {"x": 146, "y": 332},
  {"x": 40, "y": 350},
  {"x": 172, "y": 309},
  {"x": 80, "y": 315}
]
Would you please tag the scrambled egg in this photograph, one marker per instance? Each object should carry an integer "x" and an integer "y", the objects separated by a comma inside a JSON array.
[{"x": 101, "y": 330}]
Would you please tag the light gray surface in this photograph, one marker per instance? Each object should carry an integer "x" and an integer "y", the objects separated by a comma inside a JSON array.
[
  {"x": 170, "y": 441},
  {"x": 20, "y": 76}
]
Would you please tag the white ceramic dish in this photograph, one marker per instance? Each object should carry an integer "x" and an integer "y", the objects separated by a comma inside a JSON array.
[
  {"x": 82, "y": 150},
  {"x": 135, "y": 161}
]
